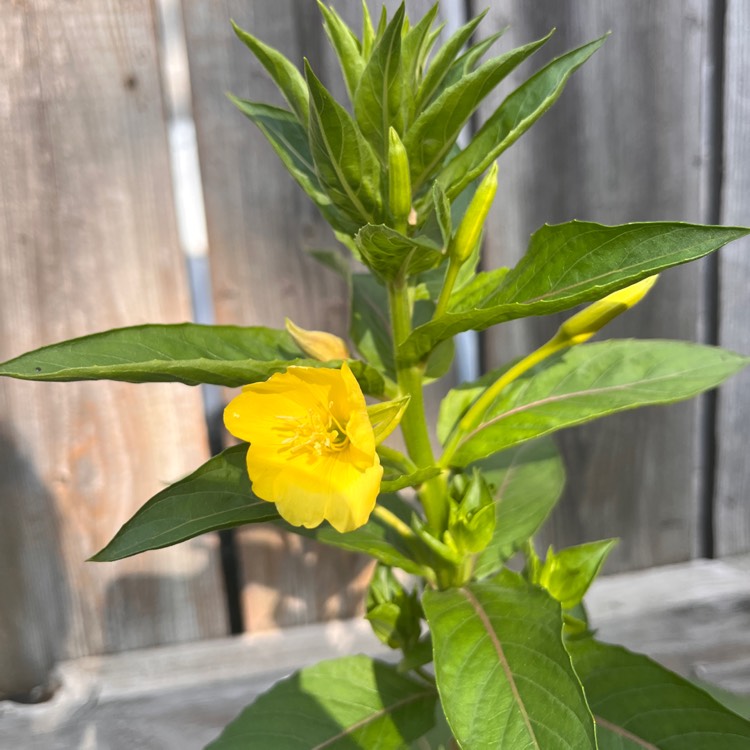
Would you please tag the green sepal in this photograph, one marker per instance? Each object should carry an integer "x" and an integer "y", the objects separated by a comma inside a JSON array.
[
  {"x": 186, "y": 353},
  {"x": 471, "y": 520},
  {"x": 385, "y": 416},
  {"x": 352, "y": 702},
  {"x": 393, "y": 483},
  {"x": 567, "y": 574}
]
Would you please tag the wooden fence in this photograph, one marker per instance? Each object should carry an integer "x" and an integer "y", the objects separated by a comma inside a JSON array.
[{"x": 656, "y": 126}]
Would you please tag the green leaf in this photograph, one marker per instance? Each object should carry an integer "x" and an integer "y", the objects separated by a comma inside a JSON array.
[
  {"x": 409, "y": 480},
  {"x": 567, "y": 264},
  {"x": 377, "y": 99},
  {"x": 370, "y": 327},
  {"x": 466, "y": 62},
  {"x": 592, "y": 381},
  {"x": 435, "y": 130},
  {"x": 444, "y": 58},
  {"x": 347, "y": 48},
  {"x": 342, "y": 704},
  {"x": 528, "y": 480},
  {"x": 442, "y": 212},
  {"x": 388, "y": 252},
  {"x": 639, "y": 704},
  {"x": 290, "y": 142},
  {"x": 567, "y": 574},
  {"x": 414, "y": 51},
  {"x": 520, "y": 110},
  {"x": 504, "y": 676},
  {"x": 216, "y": 496},
  {"x": 374, "y": 538},
  {"x": 184, "y": 353},
  {"x": 346, "y": 165},
  {"x": 284, "y": 73}
]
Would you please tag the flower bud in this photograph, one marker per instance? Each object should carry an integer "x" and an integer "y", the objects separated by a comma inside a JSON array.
[
  {"x": 319, "y": 345},
  {"x": 470, "y": 228},
  {"x": 583, "y": 325},
  {"x": 399, "y": 181}
]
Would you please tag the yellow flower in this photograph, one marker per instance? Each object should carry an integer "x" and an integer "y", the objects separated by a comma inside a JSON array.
[{"x": 312, "y": 447}]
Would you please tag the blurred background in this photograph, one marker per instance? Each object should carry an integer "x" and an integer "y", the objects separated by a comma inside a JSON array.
[{"x": 131, "y": 191}]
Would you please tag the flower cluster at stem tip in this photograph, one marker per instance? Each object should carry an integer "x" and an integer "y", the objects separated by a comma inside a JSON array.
[{"x": 312, "y": 447}]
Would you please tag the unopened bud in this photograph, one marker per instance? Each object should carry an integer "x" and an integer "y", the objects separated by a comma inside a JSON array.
[
  {"x": 583, "y": 325},
  {"x": 470, "y": 228},
  {"x": 399, "y": 181},
  {"x": 319, "y": 345}
]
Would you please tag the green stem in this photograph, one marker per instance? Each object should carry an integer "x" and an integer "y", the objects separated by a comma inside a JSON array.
[
  {"x": 414, "y": 422},
  {"x": 448, "y": 283},
  {"x": 391, "y": 519},
  {"x": 473, "y": 416}
]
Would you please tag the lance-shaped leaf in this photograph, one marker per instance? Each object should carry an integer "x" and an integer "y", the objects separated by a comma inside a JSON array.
[
  {"x": 591, "y": 381},
  {"x": 513, "y": 118},
  {"x": 640, "y": 705},
  {"x": 388, "y": 252},
  {"x": 290, "y": 142},
  {"x": 414, "y": 50},
  {"x": 444, "y": 58},
  {"x": 375, "y": 538},
  {"x": 346, "y": 165},
  {"x": 504, "y": 676},
  {"x": 180, "y": 353},
  {"x": 567, "y": 574},
  {"x": 354, "y": 702},
  {"x": 346, "y": 46},
  {"x": 565, "y": 265},
  {"x": 528, "y": 481},
  {"x": 377, "y": 100},
  {"x": 466, "y": 62},
  {"x": 216, "y": 496},
  {"x": 435, "y": 130},
  {"x": 284, "y": 73}
]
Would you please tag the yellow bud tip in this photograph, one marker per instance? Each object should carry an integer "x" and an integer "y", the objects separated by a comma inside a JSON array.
[
  {"x": 470, "y": 229},
  {"x": 583, "y": 325},
  {"x": 319, "y": 345}
]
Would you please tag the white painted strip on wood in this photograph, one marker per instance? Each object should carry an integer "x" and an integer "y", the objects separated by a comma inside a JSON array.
[
  {"x": 181, "y": 696},
  {"x": 88, "y": 242},
  {"x": 624, "y": 143},
  {"x": 732, "y": 502}
]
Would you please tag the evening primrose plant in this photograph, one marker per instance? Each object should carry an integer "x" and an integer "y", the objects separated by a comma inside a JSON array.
[{"x": 483, "y": 656}]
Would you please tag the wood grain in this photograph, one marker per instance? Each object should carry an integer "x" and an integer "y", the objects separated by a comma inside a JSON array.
[
  {"x": 732, "y": 501},
  {"x": 626, "y": 142},
  {"x": 88, "y": 242}
]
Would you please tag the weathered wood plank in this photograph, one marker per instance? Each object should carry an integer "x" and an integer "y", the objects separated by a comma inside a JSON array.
[
  {"x": 259, "y": 225},
  {"x": 87, "y": 242},
  {"x": 732, "y": 525},
  {"x": 624, "y": 143}
]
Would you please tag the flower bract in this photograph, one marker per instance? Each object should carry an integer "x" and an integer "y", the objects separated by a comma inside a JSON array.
[{"x": 312, "y": 446}]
